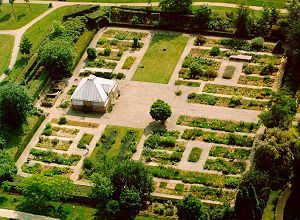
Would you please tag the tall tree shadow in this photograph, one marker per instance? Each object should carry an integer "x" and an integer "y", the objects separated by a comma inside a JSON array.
[{"x": 4, "y": 18}]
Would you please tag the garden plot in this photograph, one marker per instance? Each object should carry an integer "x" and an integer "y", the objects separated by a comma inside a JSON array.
[
  {"x": 115, "y": 51},
  {"x": 37, "y": 168}
]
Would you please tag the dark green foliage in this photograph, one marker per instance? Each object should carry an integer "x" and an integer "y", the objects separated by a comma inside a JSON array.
[
  {"x": 25, "y": 46},
  {"x": 40, "y": 191},
  {"x": 15, "y": 105},
  {"x": 160, "y": 110},
  {"x": 58, "y": 57},
  {"x": 275, "y": 154},
  {"x": 190, "y": 208},
  {"x": 92, "y": 53},
  {"x": 247, "y": 205},
  {"x": 62, "y": 120},
  {"x": 282, "y": 108},
  {"x": 7, "y": 167},
  {"x": 203, "y": 15},
  {"x": 242, "y": 21},
  {"x": 178, "y": 6},
  {"x": 121, "y": 192},
  {"x": 215, "y": 51}
]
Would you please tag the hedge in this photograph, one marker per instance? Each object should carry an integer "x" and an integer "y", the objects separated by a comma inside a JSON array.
[
  {"x": 28, "y": 137},
  {"x": 80, "y": 11}
]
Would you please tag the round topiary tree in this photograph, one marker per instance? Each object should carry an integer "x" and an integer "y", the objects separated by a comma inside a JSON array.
[{"x": 160, "y": 111}]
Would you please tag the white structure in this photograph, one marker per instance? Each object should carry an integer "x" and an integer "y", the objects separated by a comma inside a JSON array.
[{"x": 94, "y": 94}]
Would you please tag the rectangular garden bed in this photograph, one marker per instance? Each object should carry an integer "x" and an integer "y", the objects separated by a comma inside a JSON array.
[
  {"x": 229, "y": 152},
  {"x": 224, "y": 166},
  {"x": 216, "y": 124},
  {"x": 265, "y": 81}
]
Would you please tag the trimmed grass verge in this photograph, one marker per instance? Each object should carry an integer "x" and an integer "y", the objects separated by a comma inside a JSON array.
[
  {"x": 161, "y": 58},
  {"x": 6, "y": 48}
]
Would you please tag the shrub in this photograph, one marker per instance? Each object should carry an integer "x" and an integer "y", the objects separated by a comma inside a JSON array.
[
  {"x": 203, "y": 98},
  {"x": 231, "y": 182},
  {"x": 178, "y": 92},
  {"x": 215, "y": 51},
  {"x": 62, "y": 120},
  {"x": 107, "y": 52},
  {"x": 92, "y": 53},
  {"x": 85, "y": 140},
  {"x": 120, "y": 76},
  {"x": 268, "y": 69},
  {"x": 257, "y": 43},
  {"x": 228, "y": 72},
  {"x": 235, "y": 101},
  {"x": 179, "y": 187}
]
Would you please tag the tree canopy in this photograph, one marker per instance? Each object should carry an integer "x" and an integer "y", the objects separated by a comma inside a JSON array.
[
  {"x": 25, "y": 46},
  {"x": 160, "y": 110},
  {"x": 282, "y": 108},
  {"x": 179, "y": 6},
  {"x": 242, "y": 21},
  {"x": 123, "y": 191},
  {"x": 7, "y": 166},
  {"x": 15, "y": 105},
  {"x": 41, "y": 191},
  {"x": 190, "y": 208},
  {"x": 58, "y": 57}
]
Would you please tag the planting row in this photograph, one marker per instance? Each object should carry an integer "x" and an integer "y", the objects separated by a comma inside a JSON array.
[
  {"x": 54, "y": 144},
  {"x": 233, "y": 102},
  {"x": 216, "y": 124},
  {"x": 238, "y": 91},
  {"x": 49, "y": 156},
  {"x": 37, "y": 168},
  {"x": 215, "y": 137}
]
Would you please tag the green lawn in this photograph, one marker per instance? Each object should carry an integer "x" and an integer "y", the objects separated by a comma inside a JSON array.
[
  {"x": 278, "y": 3},
  {"x": 12, "y": 202},
  {"x": 115, "y": 149},
  {"x": 6, "y": 47},
  {"x": 269, "y": 211},
  {"x": 23, "y": 15},
  {"x": 158, "y": 65}
]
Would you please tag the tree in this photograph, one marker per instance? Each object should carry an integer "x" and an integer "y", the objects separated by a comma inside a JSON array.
[
  {"x": 25, "y": 46},
  {"x": 203, "y": 16},
  {"x": 41, "y": 191},
  {"x": 282, "y": 108},
  {"x": 7, "y": 166},
  {"x": 177, "y": 6},
  {"x": 122, "y": 192},
  {"x": 15, "y": 105},
  {"x": 275, "y": 154},
  {"x": 190, "y": 208},
  {"x": 11, "y": 2},
  {"x": 160, "y": 110},
  {"x": 28, "y": 3},
  {"x": 58, "y": 57},
  {"x": 247, "y": 206},
  {"x": 242, "y": 21},
  {"x": 292, "y": 33}
]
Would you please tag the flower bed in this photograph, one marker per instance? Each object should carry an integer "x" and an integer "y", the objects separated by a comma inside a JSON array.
[
  {"x": 210, "y": 193},
  {"x": 238, "y": 91},
  {"x": 129, "y": 62},
  {"x": 163, "y": 157},
  {"x": 109, "y": 54},
  {"x": 265, "y": 81},
  {"x": 205, "y": 53},
  {"x": 117, "y": 44},
  {"x": 162, "y": 140},
  {"x": 101, "y": 63},
  {"x": 85, "y": 140},
  {"x": 37, "y": 168},
  {"x": 233, "y": 102},
  {"x": 215, "y": 137},
  {"x": 226, "y": 167},
  {"x": 49, "y": 156},
  {"x": 59, "y": 131},
  {"x": 124, "y": 35},
  {"x": 54, "y": 144},
  {"x": 216, "y": 124},
  {"x": 206, "y": 179},
  {"x": 187, "y": 83},
  {"x": 77, "y": 123},
  {"x": 229, "y": 152},
  {"x": 195, "y": 155}
]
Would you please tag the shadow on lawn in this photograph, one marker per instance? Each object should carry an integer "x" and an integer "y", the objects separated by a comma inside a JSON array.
[{"x": 5, "y": 18}]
